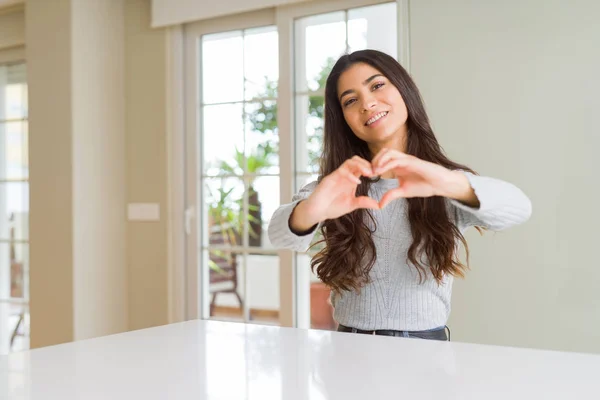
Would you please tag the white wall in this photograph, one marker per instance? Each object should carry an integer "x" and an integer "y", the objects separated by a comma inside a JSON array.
[
  {"x": 512, "y": 88},
  {"x": 10, "y": 3},
  {"x": 97, "y": 141},
  {"x": 50, "y": 173},
  {"x": 99, "y": 225},
  {"x": 147, "y": 176},
  {"x": 12, "y": 28},
  {"x": 78, "y": 271}
]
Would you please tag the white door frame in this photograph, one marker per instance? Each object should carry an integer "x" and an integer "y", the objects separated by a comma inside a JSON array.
[{"x": 176, "y": 211}]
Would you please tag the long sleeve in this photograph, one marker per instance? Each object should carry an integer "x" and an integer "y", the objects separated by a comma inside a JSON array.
[
  {"x": 502, "y": 205},
  {"x": 280, "y": 234}
]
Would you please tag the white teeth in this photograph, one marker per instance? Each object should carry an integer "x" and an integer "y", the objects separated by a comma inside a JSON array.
[{"x": 375, "y": 118}]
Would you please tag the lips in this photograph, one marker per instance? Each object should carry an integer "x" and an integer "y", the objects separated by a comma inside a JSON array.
[{"x": 376, "y": 117}]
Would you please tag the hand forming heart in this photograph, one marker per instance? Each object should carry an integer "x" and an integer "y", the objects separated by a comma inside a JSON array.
[
  {"x": 336, "y": 193},
  {"x": 416, "y": 178}
]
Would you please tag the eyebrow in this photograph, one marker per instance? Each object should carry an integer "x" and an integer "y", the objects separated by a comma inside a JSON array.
[{"x": 364, "y": 83}]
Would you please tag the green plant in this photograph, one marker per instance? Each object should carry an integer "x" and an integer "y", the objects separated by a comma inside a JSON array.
[
  {"x": 264, "y": 118},
  {"x": 225, "y": 209}
]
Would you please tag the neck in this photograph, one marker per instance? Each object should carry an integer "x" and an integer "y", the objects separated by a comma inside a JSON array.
[{"x": 396, "y": 142}]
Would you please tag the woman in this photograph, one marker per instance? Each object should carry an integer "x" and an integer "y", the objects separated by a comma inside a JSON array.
[{"x": 391, "y": 206}]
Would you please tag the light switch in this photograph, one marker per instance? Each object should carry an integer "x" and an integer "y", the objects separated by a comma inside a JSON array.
[{"x": 143, "y": 212}]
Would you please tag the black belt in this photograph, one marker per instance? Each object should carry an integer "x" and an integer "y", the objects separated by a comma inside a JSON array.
[{"x": 433, "y": 334}]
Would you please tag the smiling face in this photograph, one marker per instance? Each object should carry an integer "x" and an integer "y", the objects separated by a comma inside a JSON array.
[{"x": 372, "y": 107}]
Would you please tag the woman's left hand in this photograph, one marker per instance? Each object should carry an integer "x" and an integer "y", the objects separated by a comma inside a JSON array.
[{"x": 419, "y": 178}]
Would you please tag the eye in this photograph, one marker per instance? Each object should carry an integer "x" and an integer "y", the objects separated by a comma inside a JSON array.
[
  {"x": 378, "y": 85},
  {"x": 349, "y": 102}
]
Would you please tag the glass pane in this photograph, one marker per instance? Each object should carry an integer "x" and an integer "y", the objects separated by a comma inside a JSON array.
[
  {"x": 223, "y": 198},
  {"x": 14, "y": 328},
  {"x": 13, "y": 92},
  {"x": 309, "y": 132},
  {"x": 263, "y": 288},
  {"x": 226, "y": 284},
  {"x": 263, "y": 200},
  {"x": 14, "y": 284},
  {"x": 320, "y": 41},
  {"x": 18, "y": 255},
  {"x": 223, "y": 139},
  {"x": 261, "y": 62},
  {"x": 262, "y": 140},
  {"x": 14, "y": 210},
  {"x": 374, "y": 27},
  {"x": 321, "y": 310},
  {"x": 222, "y": 67},
  {"x": 14, "y": 160}
]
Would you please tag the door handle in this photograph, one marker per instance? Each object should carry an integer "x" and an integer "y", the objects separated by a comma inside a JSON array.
[{"x": 188, "y": 219}]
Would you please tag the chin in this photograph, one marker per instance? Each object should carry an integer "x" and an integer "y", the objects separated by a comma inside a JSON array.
[
  {"x": 391, "y": 142},
  {"x": 383, "y": 136}
]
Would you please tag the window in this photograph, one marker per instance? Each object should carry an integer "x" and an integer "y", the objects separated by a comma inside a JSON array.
[
  {"x": 14, "y": 209},
  {"x": 254, "y": 128}
]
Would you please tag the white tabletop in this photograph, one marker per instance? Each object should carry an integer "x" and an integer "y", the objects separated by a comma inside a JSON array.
[{"x": 219, "y": 360}]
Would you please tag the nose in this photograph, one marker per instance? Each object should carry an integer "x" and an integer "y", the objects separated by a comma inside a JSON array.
[{"x": 369, "y": 101}]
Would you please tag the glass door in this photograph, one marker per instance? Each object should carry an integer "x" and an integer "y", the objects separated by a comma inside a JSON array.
[
  {"x": 236, "y": 171},
  {"x": 254, "y": 127},
  {"x": 371, "y": 26}
]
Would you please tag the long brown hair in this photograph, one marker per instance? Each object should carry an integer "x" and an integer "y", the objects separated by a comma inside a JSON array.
[{"x": 349, "y": 253}]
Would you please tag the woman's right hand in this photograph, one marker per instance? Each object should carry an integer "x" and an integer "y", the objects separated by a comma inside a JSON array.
[{"x": 334, "y": 196}]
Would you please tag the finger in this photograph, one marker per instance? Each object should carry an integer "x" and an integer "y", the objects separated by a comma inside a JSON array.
[
  {"x": 359, "y": 167},
  {"x": 391, "y": 196},
  {"x": 387, "y": 157},
  {"x": 366, "y": 202},
  {"x": 379, "y": 155},
  {"x": 365, "y": 166},
  {"x": 348, "y": 174},
  {"x": 393, "y": 164},
  {"x": 360, "y": 160}
]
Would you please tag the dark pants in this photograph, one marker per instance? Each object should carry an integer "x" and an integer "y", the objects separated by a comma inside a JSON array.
[{"x": 431, "y": 334}]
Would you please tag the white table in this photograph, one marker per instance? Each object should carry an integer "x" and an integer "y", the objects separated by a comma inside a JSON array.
[{"x": 218, "y": 360}]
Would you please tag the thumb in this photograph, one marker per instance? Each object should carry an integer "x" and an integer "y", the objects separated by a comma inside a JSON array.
[{"x": 365, "y": 202}]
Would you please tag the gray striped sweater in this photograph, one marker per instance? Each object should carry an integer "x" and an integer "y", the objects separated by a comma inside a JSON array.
[{"x": 394, "y": 298}]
